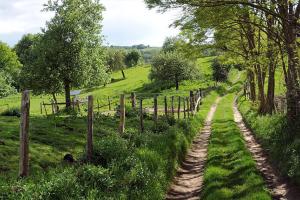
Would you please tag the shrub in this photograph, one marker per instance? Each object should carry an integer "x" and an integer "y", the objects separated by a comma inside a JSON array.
[
  {"x": 12, "y": 112},
  {"x": 108, "y": 149}
]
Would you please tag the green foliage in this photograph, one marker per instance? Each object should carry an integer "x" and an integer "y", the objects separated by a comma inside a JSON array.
[
  {"x": 9, "y": 70},
  {"x": 276, "y": 138},
  {"x": 132, "y": 58},
  {"x": 71, "y": 43},
  {"x": 220, "y": 71},
  {"x": 116, "y": 59},
  {"x": 171, "y": 68},
  {"x": 11, "y": 112}
]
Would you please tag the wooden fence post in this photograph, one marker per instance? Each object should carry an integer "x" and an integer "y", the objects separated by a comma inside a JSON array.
[
  {"x": 89, "y": 146},
  {"x": 166, "y": 107},
  {"x": 133, "y": 100},
  {"x": 109, "y": 104},
  {"x": 188, "y": 106},
  {"x": 24, "y": 134},
  {"x": 179, "y": 98},
  {"x": 141, "y": 116},
  {"x": 184, "y": 107},
  {"x": 198, "y": 98},
  {"x": 122, "y": 114},
  {"x": 155, "y": 110},
  {"x": 191, "y": 101},
  {"x": 41, "y": 107},
  {"x": 52, "y": 107},
  {"x": 172, "y": 105},
  {"x": 45, "y": 108}
]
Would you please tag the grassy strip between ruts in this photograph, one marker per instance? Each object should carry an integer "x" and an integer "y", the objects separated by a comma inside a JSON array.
[
  {"x": 132, "y": 166},
  {"x": 230, "y": 170}
]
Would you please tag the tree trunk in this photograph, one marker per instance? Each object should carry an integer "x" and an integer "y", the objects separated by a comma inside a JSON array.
[
  {"x": 269, "y": 107},
  {"x": 261, "y": 89},
  {"x": 67, "y": 94},
  {"x": 123, "y": 74},
  {"x": 289, "y": 24},
  {"x": 252, "y": 85},
  {"x": 177, "y": 85}
]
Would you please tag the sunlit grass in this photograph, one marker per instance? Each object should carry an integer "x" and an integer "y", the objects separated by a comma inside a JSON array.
[{"x": 230, "y": 170}]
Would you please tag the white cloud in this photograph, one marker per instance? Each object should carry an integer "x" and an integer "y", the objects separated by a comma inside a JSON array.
[{"x": 126, "y": 22}]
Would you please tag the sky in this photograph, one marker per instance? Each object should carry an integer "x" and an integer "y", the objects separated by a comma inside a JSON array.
[{"x": 126, "y": 22}]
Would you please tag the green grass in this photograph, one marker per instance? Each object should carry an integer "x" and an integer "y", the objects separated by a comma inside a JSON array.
[
  {"x": 131, "y": 166},
  {"x": 51, "y": 138},
  {"x": 276, "y": 138},
  {"x": 230, "y": 171}
]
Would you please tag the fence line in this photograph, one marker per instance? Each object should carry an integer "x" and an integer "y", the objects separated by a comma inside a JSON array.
[{"x": 191, "y": 105}]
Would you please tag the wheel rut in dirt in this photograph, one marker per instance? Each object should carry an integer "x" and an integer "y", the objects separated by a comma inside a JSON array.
[
  {"x": 279, "y": 188},
  {"x": 188, "y": 182}
]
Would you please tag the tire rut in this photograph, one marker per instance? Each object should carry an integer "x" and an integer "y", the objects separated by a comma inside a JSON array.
[
  {"x": 188, "y": 182},
  {"x": 279, "y": 188}
]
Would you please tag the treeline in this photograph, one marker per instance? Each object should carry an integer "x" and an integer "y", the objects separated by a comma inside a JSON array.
[{"x": 261, "y": 35}]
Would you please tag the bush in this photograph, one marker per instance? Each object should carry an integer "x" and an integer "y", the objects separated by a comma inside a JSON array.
[
  {"x": 108, "y": 149},
  {"x": 12, "y": 112}
]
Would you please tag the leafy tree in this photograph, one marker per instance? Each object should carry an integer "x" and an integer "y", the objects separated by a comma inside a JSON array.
[
  {"x": 171, "y": 68},
  {"x": 38, "y": 71},
  {"x": 132, "y": 58},
  {"x": 170, "y": 44},
  {"x": 71, "y": 44},
  {"x": 220, "y": 71},
  {"x": 116, "y": 60},
  {"x": 9, "y": 70}
]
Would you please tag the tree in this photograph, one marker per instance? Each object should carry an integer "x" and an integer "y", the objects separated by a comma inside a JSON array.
[
  {"x": 72, "y": 44},
  {"x": 132, "y": 58},
  {"x": 170, "y": 44},
  {"x": 9, "y": 70},
  {"x": 276, "y": 20},
  {"x": 171, "y": 68},
  {"x": 220, "y": 72},
  {"x": 116, "y": 60}
]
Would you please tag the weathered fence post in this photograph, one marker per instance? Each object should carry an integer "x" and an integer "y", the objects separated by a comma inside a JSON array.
[
  {"x": 172, "y": 105},
  {"x": 122, "y": 114},
  {"x": 24, "y": 134},
  {"x": 191, "y": 101},
  {"x": 109, "y": 104},
  {"x": 45, "y": 108},
  {"x": 133, "y": 100},
  {"x": 141, "y": 116},
  {"x": 89, "y": 146},
  {"x": 52, "y": 107},
  {"x": 198, "y": 99},
  {"x": 179, "y": 98},
  {"x": 166, "y": 107},
  {"x": 41, "y": 107},
  {"x": 188, "y": 106},
  {"x": 184, "y": 107},
  {"x": 155, "y": 110}
]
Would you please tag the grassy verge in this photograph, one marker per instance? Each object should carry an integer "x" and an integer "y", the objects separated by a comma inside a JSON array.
[
  {"x": 131, "y": 166},
  {"x": 276, "y": 139},
  {"x": 230, "y": 170}
]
